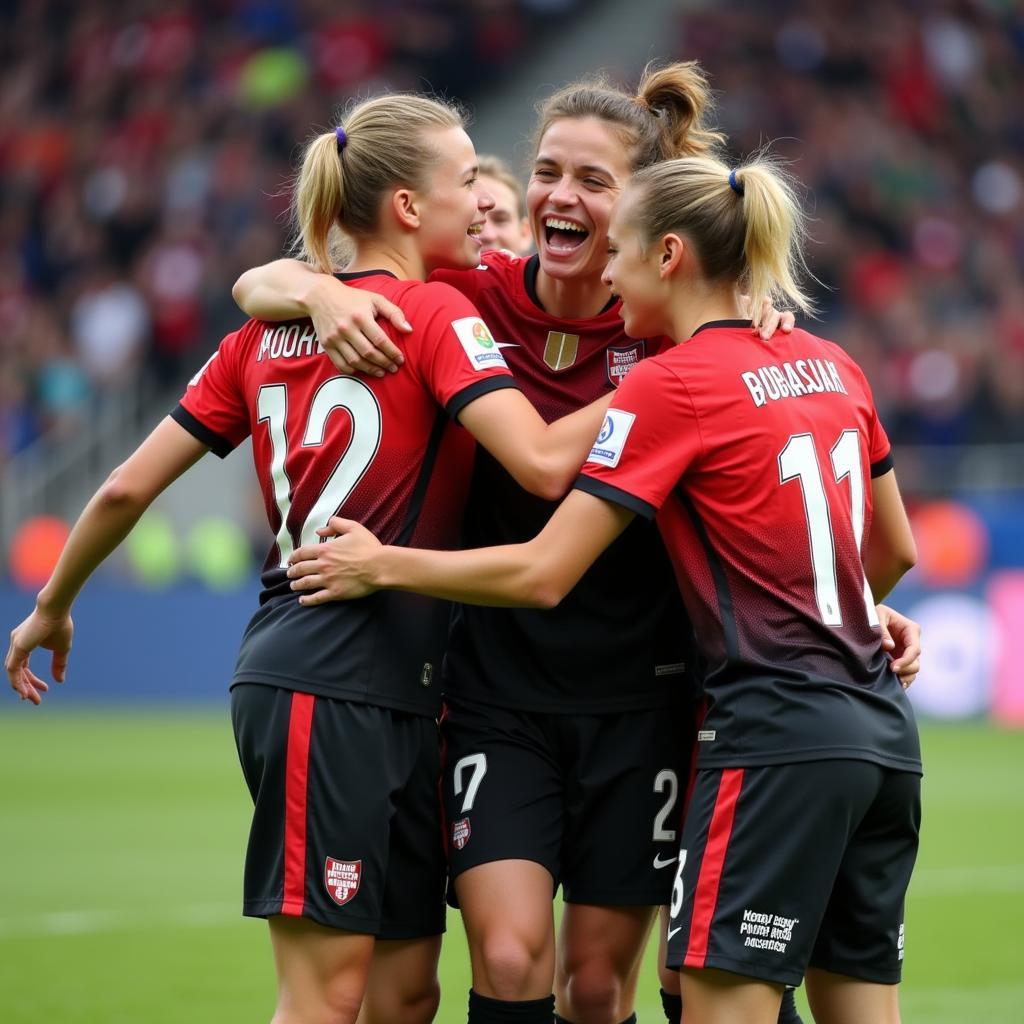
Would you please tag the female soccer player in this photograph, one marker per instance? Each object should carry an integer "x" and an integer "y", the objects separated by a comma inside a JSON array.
[
  {"x": 563, "y": 764},
  {"x": 507, "y": 225},
  {"x": 772, "y": 484},
  {"x": 334, "y": 710}
]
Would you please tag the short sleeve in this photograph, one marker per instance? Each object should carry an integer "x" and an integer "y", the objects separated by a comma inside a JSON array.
[
  {"x": 648, "y": 440},
  {"x": 213, "y": 408},
  {"x": 459, "y": 358}
]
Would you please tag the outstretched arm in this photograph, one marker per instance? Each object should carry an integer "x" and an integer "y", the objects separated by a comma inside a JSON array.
[
  {"x": 344, "y": 318},
  {"x": 536, "y": 574},
  {"x": 111, "y": 513}
]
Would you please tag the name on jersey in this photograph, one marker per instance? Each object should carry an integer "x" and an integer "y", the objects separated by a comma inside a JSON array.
[
  {"x": 792, "y": 380},
  {"x": 288, "y": 341}
]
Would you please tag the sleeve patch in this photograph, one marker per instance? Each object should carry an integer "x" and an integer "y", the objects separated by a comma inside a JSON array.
[
  {"x": 611, "y": 440},
  {"x": 480, "y": 347}
]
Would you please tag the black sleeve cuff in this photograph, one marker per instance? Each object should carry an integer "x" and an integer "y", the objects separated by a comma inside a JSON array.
[
  {"x": 482, "y": 387},
  {"x": 617, "y": 496},
  {"x": 220, "y": 446},
  {"x": 883, "y": 466}
]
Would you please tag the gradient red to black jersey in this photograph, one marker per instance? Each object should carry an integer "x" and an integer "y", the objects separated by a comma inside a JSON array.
[{"x": 757, "y": 460}]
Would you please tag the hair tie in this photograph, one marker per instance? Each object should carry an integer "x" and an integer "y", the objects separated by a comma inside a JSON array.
[
  {"x": 339, "y": 134},
  {"x": 736, "y": 186}
]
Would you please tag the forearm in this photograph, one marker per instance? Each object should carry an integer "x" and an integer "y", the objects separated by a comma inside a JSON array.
[
  {"x": 105, "y": 522},
  {"x": 567, "y": 442},
  {"x": 281, "y": 290},
  {"x": 505, "y": 576}
]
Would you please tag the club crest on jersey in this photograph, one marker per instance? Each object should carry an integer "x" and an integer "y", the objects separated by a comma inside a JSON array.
[
  {"x": 560, "y": 350},
  {"x": 611, "y": 439},
  {"x": 460, "y": 833},
  {"x": 478, "y": 343},
  {"x": 622, "y": 358},
  {"x": 342, "y": 878}
]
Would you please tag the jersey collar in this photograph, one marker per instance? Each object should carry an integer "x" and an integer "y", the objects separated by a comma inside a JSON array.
[
  {"x": 530, "y": 272},
  {"x": 365, "y": 273},
  {"x": 721, "y": 323}
]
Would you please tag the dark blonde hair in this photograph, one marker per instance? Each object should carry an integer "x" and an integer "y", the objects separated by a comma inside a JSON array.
[
  {"x": 665, "y": 119},
  {"x": 494, "y": 167},
  {"x": 746, "y": 225},
  {"x": 340, "y": 185}
]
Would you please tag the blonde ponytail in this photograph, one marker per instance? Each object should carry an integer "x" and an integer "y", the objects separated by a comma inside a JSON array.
[
  {"x": 381, "y": 143},
  {"x": 746, "y": 224}
]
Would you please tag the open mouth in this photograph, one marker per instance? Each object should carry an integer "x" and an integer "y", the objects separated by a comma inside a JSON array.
[
  {"x": 475, "y": 230},
  {"x": 563, "y": 236}
]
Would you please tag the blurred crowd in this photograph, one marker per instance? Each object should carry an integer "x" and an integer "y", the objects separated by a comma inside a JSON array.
[
  {"x": 144, "y": 161},
  {"x": 905, "y": 122},
  {"x": 145, "y": 151}
]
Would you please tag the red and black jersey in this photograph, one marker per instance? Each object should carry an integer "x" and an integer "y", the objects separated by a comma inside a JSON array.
[
  {"x": 757, "y": 460},
  {"x": 386, "y": 453},
  {"x": 620, "y": 639}
]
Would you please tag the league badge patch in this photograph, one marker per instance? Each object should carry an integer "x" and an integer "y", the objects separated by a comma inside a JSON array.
[
  {"x": 460, "y": 833},
  {"x": 478, "y": 343},
  {"x": 622, "y": 358},
  {"x": 342, "y": 877}
]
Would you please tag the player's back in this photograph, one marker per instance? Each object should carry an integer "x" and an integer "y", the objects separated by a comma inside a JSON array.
[
  {"x": 767, "y": 526},
  {"x": 385, "y": 452}
]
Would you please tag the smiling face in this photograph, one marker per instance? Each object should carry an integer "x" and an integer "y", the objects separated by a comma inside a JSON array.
[
  {"x": 580, "y": 169},
  {"x": 633, "y": 272},
  {"x": 453, "y": 209}
]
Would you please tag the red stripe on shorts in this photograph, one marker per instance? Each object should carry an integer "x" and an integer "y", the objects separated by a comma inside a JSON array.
[
  {"x": 705, "y": 897},
  {"x": 300, "y": 725}
]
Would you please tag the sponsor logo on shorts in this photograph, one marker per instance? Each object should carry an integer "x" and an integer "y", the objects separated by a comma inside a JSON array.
[
  {"x": 342, "y": 877},
  {"x": 663, "y": 862},
  {"x": 611, "y": 439},
  {"x": 478, "y": 344},
  {"x": 706, "y": 736},
  {"x": 622, "y": 359},
  {"x": 771, "y": 932},
  {"x": 460, "y": 833},
  {"x": 674, "y": 931},
  {"x": 675, "y": 669},
  {"x": 899, "y": 944}
]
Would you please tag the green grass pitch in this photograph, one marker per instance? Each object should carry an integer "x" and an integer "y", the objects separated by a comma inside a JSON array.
[{"x": 121, "y": 840}]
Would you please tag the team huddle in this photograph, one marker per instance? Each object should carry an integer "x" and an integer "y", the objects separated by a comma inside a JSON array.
[{"x": 565, "y": 591}]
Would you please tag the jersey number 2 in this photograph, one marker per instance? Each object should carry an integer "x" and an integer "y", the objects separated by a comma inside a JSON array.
[
  {"x": 335, "y": 393},
  {"x": 799, "y": 461}
]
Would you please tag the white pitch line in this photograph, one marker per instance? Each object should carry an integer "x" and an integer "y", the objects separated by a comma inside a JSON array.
[{"x": 86, "y": 922}]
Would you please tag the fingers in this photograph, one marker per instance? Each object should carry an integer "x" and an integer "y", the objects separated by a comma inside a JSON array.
[
  {"x": 59, "y": 665},
  {"x": 787, "y": 322},
  {"x": 307, "y": 553},
  {"x": 888, "y": 644},
  {"x": 389, "y": 311},
  {"x": 769, "y": 323},
  {"x": 320, "y": 597},
  {"x": 313, "y": 580},
  {"x": 302, "y": 570}
]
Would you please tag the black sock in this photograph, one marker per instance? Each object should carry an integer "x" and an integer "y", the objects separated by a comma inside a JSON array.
[
  {"x": 673, "y": 1007},
  {"x": 484, "y": 1010},
  {"x": 787, "y": 1011}
]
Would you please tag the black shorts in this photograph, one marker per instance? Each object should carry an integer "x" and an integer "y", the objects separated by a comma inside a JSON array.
[
  {"x": 794, "y": 865},
  {"x": 595, "y": 799},
  {"x": 346, "y": 828}
]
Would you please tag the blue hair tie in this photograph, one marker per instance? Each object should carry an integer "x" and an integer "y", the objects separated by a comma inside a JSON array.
[
  {"x": 735, "y": 185},
  {"x": 339, "y": 134}
]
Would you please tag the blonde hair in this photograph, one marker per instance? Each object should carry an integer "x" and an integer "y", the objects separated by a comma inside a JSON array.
[
  {"x": 340, "y": 184},
  {"x": 665, "y": 119},
  {"x": 491, "y": 166},
  {"x": 750, "y": 233}
]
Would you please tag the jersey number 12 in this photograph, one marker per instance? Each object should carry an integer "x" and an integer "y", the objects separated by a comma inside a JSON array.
[{"x": 336, "y": 393}]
